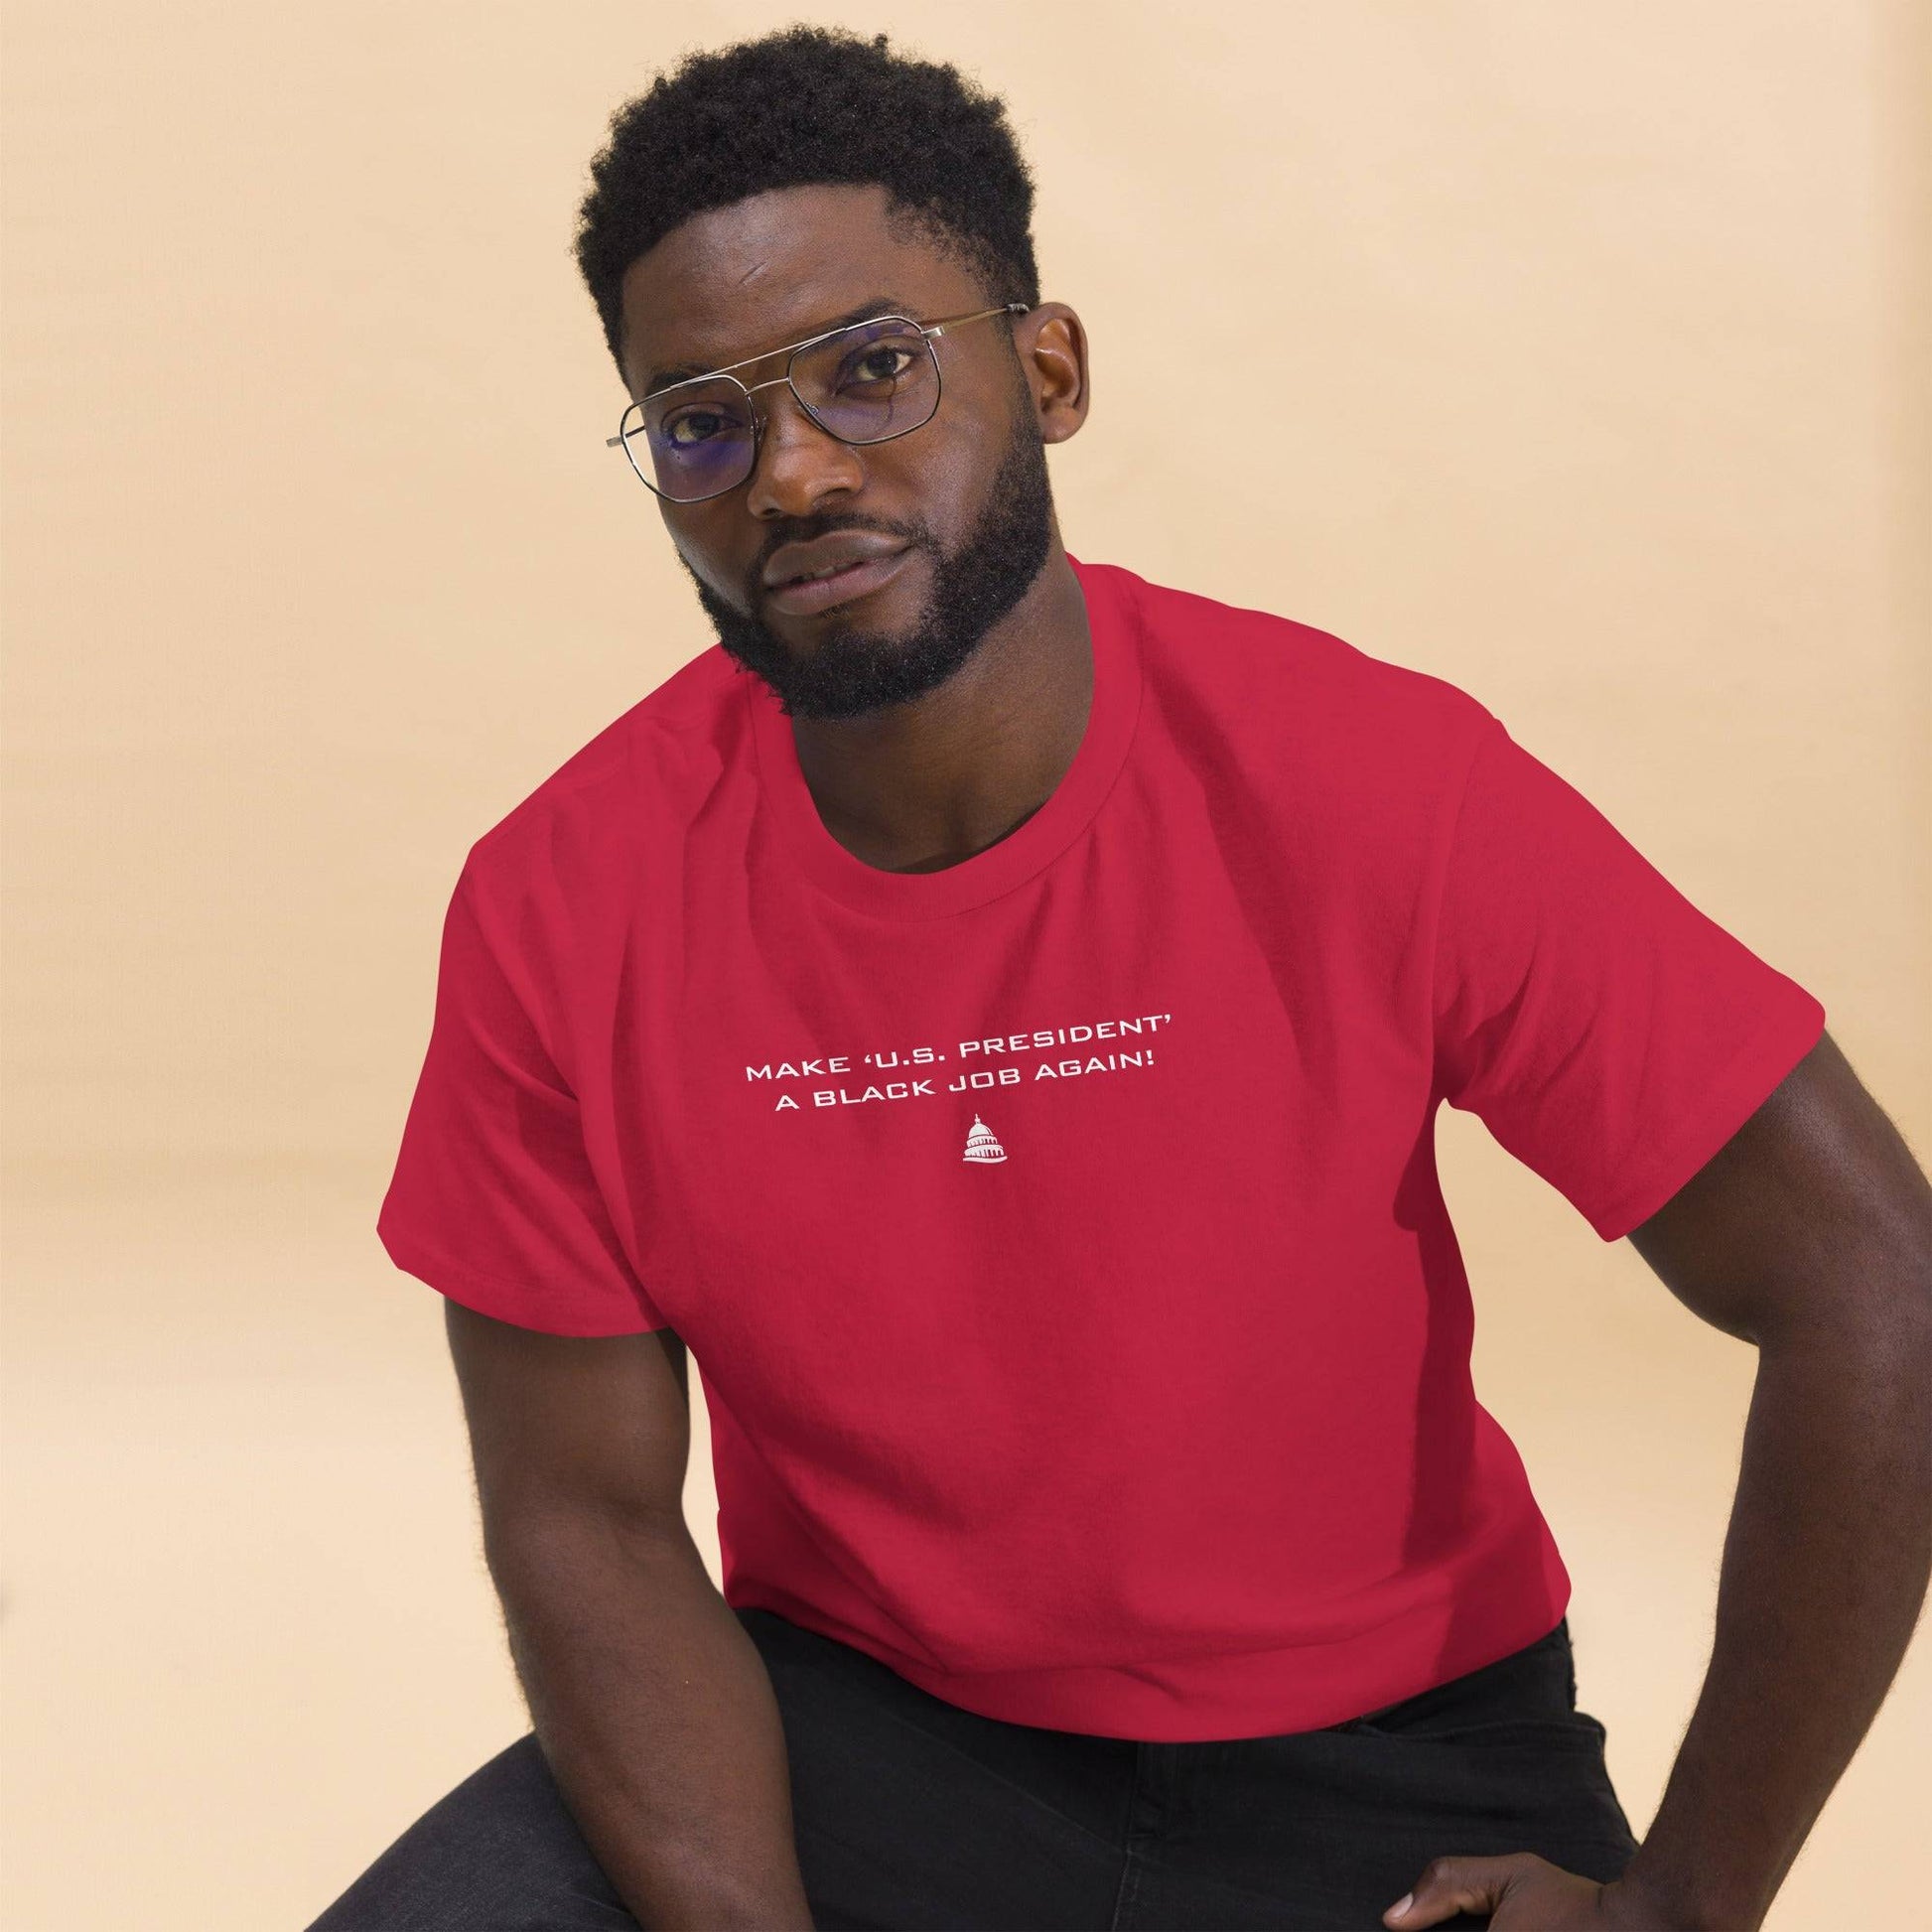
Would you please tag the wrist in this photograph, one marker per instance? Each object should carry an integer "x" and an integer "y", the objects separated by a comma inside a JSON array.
[{"x": 1687, "y": 1899}]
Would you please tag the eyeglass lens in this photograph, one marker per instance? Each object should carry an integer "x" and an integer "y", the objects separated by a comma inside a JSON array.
[{"x": 864, "y": 384}]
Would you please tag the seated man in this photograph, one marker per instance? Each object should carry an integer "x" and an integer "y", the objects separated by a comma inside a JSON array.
[{"x": 1002, "y": 1035}]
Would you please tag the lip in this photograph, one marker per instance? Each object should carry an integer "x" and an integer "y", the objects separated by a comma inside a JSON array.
[{"x": 859, "y": 578}]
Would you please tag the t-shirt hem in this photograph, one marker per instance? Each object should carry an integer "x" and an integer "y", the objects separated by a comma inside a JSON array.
[
  {"x": 500, "y": 1300},
  {"x": 1243, "y": 1693},
  {"x": 1744, "y": 1085}
]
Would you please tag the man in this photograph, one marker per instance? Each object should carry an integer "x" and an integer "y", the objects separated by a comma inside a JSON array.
[{"x": 1001, "y": 1036}]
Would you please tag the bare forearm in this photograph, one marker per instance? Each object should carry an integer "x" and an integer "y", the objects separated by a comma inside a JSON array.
[
  {"x": 656, "y": 1715},
  {"x": 1825, "y": 1568}
]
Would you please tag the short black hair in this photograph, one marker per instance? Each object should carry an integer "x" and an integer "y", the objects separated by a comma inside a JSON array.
[{"x": 800, "y": 107}]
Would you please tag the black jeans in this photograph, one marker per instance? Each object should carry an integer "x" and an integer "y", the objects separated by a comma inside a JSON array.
[{"x": 911, "y": 1813}]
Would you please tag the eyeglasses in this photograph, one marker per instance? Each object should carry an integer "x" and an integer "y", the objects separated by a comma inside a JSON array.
[{"x": 866, "y": 382}]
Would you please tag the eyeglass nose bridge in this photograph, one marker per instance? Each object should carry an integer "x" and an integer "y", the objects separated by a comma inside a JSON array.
[{"x": 760, "y": 419}]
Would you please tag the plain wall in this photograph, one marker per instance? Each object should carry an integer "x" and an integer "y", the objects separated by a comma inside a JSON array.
[{"x": 1588, "y": 353}]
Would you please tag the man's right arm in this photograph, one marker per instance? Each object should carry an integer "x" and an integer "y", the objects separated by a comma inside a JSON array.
[{"x": 653, "y": 1706}]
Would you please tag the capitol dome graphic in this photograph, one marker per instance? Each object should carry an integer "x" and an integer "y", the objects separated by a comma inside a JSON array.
[{"x": 981, "y": 1144}]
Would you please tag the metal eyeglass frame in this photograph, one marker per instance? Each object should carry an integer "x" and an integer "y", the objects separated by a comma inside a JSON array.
[{"x": 790, "y": 351}]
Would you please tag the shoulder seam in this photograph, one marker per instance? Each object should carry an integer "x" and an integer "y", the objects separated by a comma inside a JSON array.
[{"x": 1444, "y": 858}]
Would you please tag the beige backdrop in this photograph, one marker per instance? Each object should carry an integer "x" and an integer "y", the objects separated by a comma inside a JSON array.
[{"x": 1589, "y": 348}]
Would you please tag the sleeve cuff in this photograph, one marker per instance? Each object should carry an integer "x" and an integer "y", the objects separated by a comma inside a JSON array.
[
  {"x": 547, "y": 1313},
  {"x": 1729, "y": 1100}
]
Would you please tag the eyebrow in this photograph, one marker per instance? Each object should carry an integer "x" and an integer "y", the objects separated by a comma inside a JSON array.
[{"x": 884, "y": 305}]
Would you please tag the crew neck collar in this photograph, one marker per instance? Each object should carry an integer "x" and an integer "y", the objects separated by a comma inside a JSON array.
[{"x": 1113, "y": 626}]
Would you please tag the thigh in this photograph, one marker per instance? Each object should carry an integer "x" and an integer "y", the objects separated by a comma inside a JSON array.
[
  {"x": 1329, "y": 1829},
  {"x": 499, "y": 1854},
  {"x": 911, "y": 1814}
]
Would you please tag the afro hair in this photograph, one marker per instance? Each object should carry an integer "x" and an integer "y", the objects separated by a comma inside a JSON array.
[{"x": 804, "y": 106}]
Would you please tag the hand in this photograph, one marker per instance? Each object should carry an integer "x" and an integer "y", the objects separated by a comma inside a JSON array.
[{"x": 1524, "y": 1893}]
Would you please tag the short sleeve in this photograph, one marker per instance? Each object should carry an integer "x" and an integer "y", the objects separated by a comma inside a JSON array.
[
  {"x": 1609, "y": 1035},
  {"x": 493, "y": 1201}
]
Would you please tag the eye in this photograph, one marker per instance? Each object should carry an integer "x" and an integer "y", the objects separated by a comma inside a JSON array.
[
  {"x": 698, "y": 424},
  {"x": 879, "y": 363}
]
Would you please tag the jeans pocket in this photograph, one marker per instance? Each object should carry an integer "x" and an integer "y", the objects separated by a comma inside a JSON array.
[{"x": 1577, "y": 1731}]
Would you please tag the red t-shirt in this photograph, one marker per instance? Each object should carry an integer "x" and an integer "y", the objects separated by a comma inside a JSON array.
[{"x": 1058, "y": 1235}]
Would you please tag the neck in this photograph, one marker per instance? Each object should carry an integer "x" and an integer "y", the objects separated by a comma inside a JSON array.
[{"x": 922, "y": 785}]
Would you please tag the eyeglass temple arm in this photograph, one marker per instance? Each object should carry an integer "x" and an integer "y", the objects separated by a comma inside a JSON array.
[{"x": 979, "y": 315}]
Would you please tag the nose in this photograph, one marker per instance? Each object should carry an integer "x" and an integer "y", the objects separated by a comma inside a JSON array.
[{"x": 799, "y": 466}]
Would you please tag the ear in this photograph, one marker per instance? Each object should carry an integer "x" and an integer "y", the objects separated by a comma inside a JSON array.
[{"x": 1053, "y": 347}]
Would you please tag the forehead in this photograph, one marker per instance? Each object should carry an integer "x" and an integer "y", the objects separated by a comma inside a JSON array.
[{"x": 734, "y": 282}]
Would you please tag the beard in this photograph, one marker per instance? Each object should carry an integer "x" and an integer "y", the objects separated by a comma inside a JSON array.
[{"x": 849, "y": 669}]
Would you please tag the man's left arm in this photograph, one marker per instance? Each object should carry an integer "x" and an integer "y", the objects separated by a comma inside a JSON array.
[{"x": 1809, "y": 1235}]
